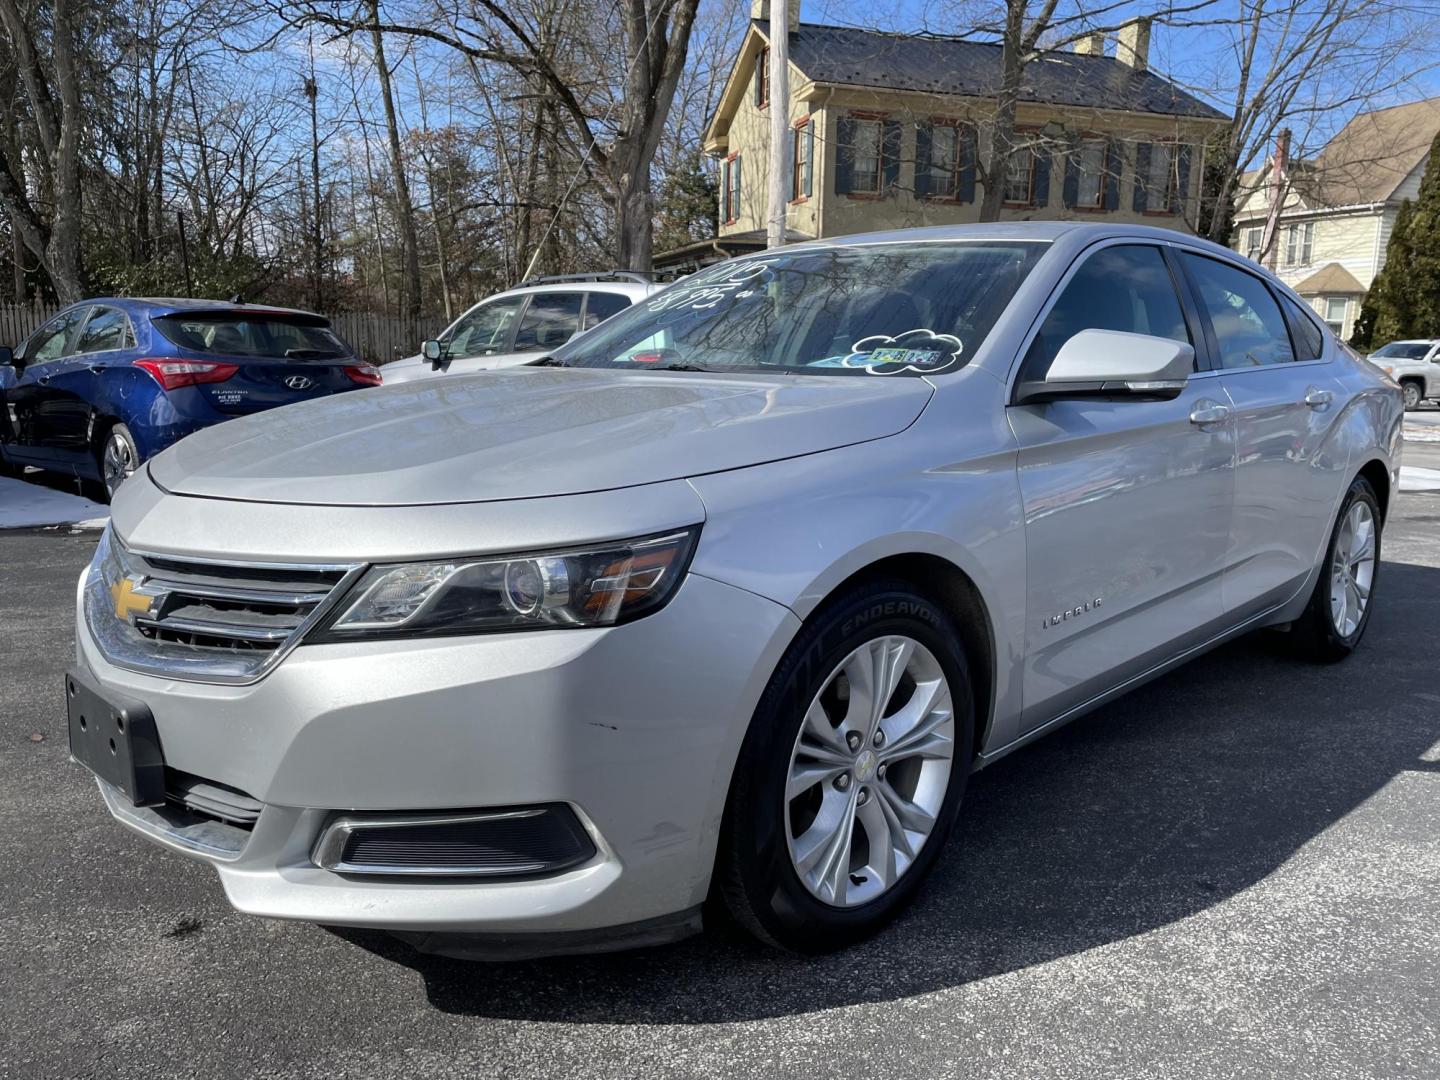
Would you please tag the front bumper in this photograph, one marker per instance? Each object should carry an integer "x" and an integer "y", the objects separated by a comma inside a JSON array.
[{"x": 636, "y": 727}]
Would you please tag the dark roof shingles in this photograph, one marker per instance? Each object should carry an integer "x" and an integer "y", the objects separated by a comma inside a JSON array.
[{"x": 941, "y": 65}]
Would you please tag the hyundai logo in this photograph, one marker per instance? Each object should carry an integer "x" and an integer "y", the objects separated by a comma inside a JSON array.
[{"x": 299, "y": 382}]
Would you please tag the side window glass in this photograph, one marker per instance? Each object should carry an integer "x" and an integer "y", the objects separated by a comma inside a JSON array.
[
  {"x": 599, "y": 306},
  {"x": 107, "y": 329},
  {"x": 485, "y": 330},
  {"x": 1309, "y": 341},
  {"x": 1248, "y": 325},
  {"x": 1126, "y": 287},
  {"x": 551, "y": 320},
  {"x": 49, "y": 343}
]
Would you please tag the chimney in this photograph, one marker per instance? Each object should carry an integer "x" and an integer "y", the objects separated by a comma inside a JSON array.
[
  {"x": 1092, "y": 44},
  {"x": 1132, "y": 45},
  {"x": 760, "y": 9}
]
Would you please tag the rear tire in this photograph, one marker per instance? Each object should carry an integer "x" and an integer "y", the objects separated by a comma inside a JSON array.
[
  {"x": 117, "y": 458},
  {"x": 829, "y": 833},
  {"x": 1413, "y": 395},
  {"x": 1331, "y": 626}
]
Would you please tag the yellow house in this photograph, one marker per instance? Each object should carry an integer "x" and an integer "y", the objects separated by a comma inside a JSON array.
[
  {"x": 886, "y": 130},
  {"x": 1337, "y": 209}
]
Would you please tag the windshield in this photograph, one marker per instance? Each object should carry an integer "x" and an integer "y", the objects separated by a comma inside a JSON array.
[
  {"x": 877, "y": 309},
  {"x": 1405, "y": 350},
  {"x": 268, "y": 335}
]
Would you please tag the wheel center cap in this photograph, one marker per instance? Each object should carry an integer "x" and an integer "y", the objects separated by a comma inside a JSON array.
[{"x": 865, "y": 765}]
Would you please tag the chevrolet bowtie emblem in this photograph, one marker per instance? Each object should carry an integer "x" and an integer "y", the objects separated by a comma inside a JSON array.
[{"x": 130, "y": 599}]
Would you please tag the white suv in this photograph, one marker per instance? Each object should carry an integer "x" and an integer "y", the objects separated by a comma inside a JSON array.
[
  {"x": 1415, "y": 365},
  {"x": 521, "y": 324}
]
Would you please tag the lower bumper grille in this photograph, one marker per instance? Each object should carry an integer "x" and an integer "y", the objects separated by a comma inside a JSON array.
[
  {"x": 520, "y": 842},
  {"x": 211, "y": 799}
]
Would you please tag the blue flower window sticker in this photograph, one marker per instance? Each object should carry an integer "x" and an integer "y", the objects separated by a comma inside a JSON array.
[{"x": 922, "y": 351}]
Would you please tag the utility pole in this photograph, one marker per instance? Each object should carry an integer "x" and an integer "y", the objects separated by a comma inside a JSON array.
[
  {"x": 781, "y": 165},
  {"x": 317, "y": 237}
]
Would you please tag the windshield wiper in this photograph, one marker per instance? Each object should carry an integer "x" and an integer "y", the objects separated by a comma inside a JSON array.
[
  {"x": 547, "y": 361},
  {"x": 679, "y": 367}
]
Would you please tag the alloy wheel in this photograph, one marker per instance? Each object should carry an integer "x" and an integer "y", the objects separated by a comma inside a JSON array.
[
  {"x": 1352, "y": 568},
  {"x": 869, "y": 771},
  {"x": 118, "y": 462}
]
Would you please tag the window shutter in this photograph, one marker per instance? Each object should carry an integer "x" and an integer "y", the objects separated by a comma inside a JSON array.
[
  {"x": 890, "y": 151},
  {"x": 844, "y": 154},
  {"x": 808, "y": 177},
  {"x": 1182, "y": 174},
  {"x": 1141, "y": 201},
  {"x": 1113, "y": 165},
  {"x": 966, "y": 186},
  {"x": 736, "y": 176},
  {"x": 922, "y": 161},
  {"x": 725, "y": 214},
  {"x": 1070, "y": 194},
  {"x": 1042, "y": 174}
]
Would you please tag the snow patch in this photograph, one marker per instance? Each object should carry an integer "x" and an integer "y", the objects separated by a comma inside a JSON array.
[
  {"x": 1414, "y": 478},
  {"x": 29, "y": 506}
]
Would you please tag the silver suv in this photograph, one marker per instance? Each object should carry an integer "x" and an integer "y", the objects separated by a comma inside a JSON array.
[
  {"x": 1415, "y": 365},
  {"x": 728, "y": 600},
  {"x": 514, "y": 327}
]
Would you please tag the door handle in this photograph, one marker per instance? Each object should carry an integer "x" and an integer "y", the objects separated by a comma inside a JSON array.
[
  {"x": 96, "y": 369},
  {"x": 1317, "y": 398},
  {"x": 1208, "y": 413},
  {"x": 43, "y": 379}
]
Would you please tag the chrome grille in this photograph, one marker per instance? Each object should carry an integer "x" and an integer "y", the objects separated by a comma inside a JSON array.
[{"x": 208, "y": 621}]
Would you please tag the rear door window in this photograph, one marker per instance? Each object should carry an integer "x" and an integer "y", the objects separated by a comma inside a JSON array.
[
  {"x": 599, "y": 306},
  {"x": 1249, "y": 328},
  {"x": 551, "y": 320},
  {"x": 1125, "y": 287},
  {"x": 107, "y": 330},
  {"x": 1309, "y": 341}
]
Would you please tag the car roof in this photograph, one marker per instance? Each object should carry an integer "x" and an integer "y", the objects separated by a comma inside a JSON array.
[
  {"x": 632, "y": 289},
  {"x": 1037, "y": 231},
  {"x": 171, "y": 305}
]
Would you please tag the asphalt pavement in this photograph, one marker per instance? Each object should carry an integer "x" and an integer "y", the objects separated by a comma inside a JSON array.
[{"x": 1233, "y": 872}]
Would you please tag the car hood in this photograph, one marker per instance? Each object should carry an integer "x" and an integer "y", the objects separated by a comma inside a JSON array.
[{"x": 530, "y": 433}]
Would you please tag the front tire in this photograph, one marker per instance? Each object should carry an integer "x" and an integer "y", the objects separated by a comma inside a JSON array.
[
  {"x": 1339, "y": 610},
  {"x": 851, "y": 774},
  {"x": 118, "y": 458},
  {"x": 1413, "y": 395}
]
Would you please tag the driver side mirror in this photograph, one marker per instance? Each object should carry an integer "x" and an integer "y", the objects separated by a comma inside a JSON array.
[
  {"x": 1113, "y": 363},
  {"x": 433, "y": 351},
  {"x": 7, "y": 357}
]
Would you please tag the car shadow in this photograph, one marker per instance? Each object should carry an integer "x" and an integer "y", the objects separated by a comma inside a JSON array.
[{"x": 1161, "y": 805}]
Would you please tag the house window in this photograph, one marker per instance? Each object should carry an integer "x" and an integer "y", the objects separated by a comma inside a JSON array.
[
  {"x": 948, "y": 150},
  {"x": 801, "y": 179},
  {"x": 1299, "y": 240},
  {"x": 1335, "y": 308},
  {"x": 1160, "y": 177},
  {"x": 1253, "y": 239},
  {"x": 865, "y": 167},
  {"x": 730, "y": 188},
  {"x": 1020, "y": 177},
  {"x": 762, "y": 79},
  {"x": 1090, "y": 158}
]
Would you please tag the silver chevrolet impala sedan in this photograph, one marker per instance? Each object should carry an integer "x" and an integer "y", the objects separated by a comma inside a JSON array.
[{"x": 719, "y": 606}]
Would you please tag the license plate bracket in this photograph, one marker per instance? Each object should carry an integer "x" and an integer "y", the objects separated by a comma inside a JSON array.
[{"x": 115, "y": 738}]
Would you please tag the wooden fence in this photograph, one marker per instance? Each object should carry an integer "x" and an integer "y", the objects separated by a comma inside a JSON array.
[{"x": 377, "y": 338}]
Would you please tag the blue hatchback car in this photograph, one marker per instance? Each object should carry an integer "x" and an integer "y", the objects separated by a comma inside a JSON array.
[{"x": 107, "y": 383}]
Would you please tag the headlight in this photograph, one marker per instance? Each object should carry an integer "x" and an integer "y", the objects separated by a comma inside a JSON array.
[{"x": 595, "y": 586}]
